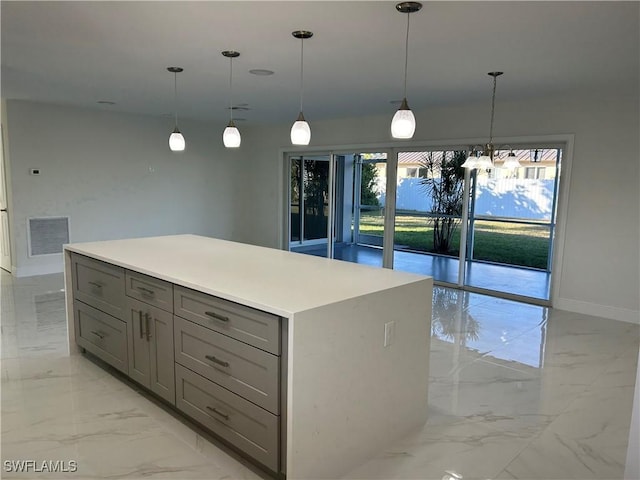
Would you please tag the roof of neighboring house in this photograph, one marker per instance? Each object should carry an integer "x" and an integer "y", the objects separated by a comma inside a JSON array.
[{"x": 547, "y": 155}]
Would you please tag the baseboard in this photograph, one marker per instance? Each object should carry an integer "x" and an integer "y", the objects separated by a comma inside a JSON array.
[
  {"x": 32, "y": 270},
  {"x": 586, "y": 308}
]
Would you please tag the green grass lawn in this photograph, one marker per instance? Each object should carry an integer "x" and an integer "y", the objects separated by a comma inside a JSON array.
[{"x": 510, "y": 243}]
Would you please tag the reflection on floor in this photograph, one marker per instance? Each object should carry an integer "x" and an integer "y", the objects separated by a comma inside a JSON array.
[
  {"x": 525, "y": 282},
  {"x": 516, "y": 391}
]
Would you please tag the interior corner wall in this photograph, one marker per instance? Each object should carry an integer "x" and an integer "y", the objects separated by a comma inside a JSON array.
[
  {"x": 114, "y": 176},
  {"x": 600, "y": 270}
]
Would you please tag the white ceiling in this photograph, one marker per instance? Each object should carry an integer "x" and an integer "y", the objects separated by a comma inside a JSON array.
[{"x": 78, "y": 53}]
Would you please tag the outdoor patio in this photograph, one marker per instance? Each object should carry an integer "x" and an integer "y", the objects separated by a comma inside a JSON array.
[{"x": 493, "y": 277}]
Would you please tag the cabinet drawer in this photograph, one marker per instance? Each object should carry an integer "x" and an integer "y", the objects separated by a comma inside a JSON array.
[
  {"x": 101, "y": 334},
  {"x": 99, "y": 284},
  {"x": 248, "y": 371},
  {"x": 252, "y": 429},
  {"x": 246, "y": 324},
  {"x": 149, "y": 290}
]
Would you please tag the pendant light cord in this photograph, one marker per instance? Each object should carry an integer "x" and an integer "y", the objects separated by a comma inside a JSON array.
[
  {"x": 301, "y": 70},
  {"x": 175, "y": 95},
  {"x": 406, "y": 57},
  {"x": 493, "y": 108},
  {"x": 231, "y": 89}
]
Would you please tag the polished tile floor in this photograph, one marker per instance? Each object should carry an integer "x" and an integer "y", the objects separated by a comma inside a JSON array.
[{"x": 516, "y": 392}]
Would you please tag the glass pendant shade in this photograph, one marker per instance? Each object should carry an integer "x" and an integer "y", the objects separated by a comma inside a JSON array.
[
  {"x": 231, "y": 136},
  {"x": 484, "y": 162},
  {"x": 403, "y": 124},
  {"x": 471, "y": 161},
  {"x": 176, "y": 141},
  {"x": 511, "y": 162},
  {"x": 300, "y": 131}
]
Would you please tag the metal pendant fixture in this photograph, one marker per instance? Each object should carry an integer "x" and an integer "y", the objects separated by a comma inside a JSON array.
[
  {"x": 176, "y": 140},
  {"x": 485, "y": 161},
  {"x": 403, "y": 124},
  {"x": 231, "y": 135},
  {"x": 300, "y": 131}
]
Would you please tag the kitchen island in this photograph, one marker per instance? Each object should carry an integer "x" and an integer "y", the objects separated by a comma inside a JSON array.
[{"x": 306, "y": 365}]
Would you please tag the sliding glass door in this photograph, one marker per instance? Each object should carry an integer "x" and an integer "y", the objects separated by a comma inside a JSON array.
[
  {"x": 310, "y": 204},
  {"x": 428, "y": 215},
  {"x": 336, "y": 206},
  {"x": 512, "y": 224},
  {"x": 421, "y": 212}
]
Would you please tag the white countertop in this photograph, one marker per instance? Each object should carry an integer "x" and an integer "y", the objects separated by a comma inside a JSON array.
[{"x": 271, "y": 280}]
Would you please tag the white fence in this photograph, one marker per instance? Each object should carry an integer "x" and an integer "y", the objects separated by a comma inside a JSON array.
[{"x": 505, "y": 197}]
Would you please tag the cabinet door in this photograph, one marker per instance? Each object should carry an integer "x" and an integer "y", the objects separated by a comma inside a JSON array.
[
  {"x": 138, "y": 342},
  {"x": 99, "y": 284},
  {"x": 101, "y": 334},
  {"x": 161, "y": 354}
]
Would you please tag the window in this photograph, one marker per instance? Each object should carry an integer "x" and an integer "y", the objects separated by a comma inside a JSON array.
[
  {"x": 412, "y": 172},
  {"x": 534, "y": 173}
]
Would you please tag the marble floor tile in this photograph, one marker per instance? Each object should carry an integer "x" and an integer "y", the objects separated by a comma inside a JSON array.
[
  {"x": 588, "y": 440},
  {"x": 516, "y": 391}
]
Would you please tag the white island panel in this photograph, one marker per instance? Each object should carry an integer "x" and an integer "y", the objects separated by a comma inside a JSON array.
[{"x": 349, "y": 395}]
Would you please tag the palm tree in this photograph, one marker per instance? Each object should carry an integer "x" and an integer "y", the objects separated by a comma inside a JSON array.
[{"x": 442, "y": 176}]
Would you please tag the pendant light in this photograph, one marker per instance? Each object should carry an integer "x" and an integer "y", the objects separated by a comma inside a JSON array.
[
  {"x": 485, "y": 161},
  {"x": 176, "y": 140},
  {"x": 403, "y": 124},
  {"x": 511, "y": 162},
  {"x": 231, "y": 136},
  {"x": 300, "y": 131}
]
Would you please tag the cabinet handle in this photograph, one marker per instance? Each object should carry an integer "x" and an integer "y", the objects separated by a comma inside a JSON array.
[
  {"x": 147, "y": 317},
  {"x": 213, "y": 359},
  {"x": 218, "y": 412},
  {"x": 216, "y": 316},
  {"x": 95, "y": 284},
  {"x": 98, "y": 334},
  {"x": 141, "y": 327},
  {"x": 146, "y": 291}
]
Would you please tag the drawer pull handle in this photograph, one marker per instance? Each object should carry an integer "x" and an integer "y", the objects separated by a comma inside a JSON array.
[
  {"x": 140, "y": 323},
  {"x": 95, "y": 284},
  {"x": 216, "y": 316},
  {"x": 218, "y": 412},
  {"x": 98, "y": 334},
  {"x": 147, "y": 317},
  {"x": 146, "y": 291},
  {"x": 213, "y": 359}
]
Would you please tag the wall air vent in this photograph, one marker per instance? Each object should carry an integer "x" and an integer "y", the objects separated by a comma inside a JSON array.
[{"x": 47, "y": 235}]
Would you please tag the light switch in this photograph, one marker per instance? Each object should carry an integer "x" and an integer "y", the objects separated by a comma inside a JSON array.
[{"x": 34, "y": 171}]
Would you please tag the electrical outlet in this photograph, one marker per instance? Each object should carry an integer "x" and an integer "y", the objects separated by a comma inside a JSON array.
[{"x": 389, "y": 333}]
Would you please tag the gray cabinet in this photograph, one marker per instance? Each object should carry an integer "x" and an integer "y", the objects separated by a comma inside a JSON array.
[
  {"x": 257, "y": 328},
  {"x": 103, "y": 335},
  {"x": 238, "y": 421},
  {"x": 217, "y": 361},
  {"x": 228, "y": 371},
  {"x": 150, "y": 348},
  {"x": 98, "y": 284},
  {"x": 98, "y": 310},
  {"x": 149, "y": 290},
  {"x": 245, "y": 370}
]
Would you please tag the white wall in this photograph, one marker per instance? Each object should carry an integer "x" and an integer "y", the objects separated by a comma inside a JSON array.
[
  {"x": 114, "y": 176},
  {"x": 601, "y": 262}
]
